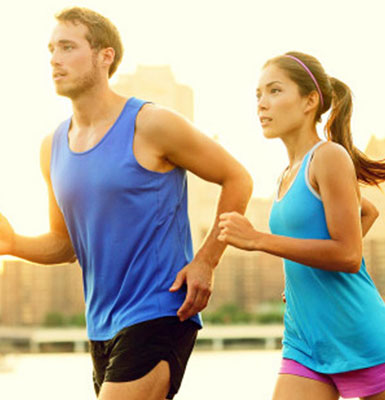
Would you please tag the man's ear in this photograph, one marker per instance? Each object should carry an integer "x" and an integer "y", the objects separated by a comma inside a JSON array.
[{"x": 107, "y": 56}]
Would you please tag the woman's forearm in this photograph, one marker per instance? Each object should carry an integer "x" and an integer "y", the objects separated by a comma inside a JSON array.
[{"x": 328, "y": 254}]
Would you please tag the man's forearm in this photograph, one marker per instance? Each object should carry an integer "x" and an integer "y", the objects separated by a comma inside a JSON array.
[
  {"x": 50, "y": 248},
  {"x": 234, "y": 196}
]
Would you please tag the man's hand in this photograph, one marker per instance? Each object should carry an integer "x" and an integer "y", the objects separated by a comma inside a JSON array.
[
  {"x": 199, "y": 278},
  {"x": 6, "y": 236}
]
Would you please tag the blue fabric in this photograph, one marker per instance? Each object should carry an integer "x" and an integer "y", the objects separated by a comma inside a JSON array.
[
  {"x": 128, "y": 225},
  {"x": 334, "y": 321}
]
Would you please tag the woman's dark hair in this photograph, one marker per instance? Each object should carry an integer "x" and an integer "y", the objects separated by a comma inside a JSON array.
[{"x": 337, "y": 96}]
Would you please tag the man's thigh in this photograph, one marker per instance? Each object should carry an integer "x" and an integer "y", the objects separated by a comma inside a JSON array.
[
  {"x": 135, "y": 352},
  {"x": 290, "y": 387},
  {"x": 153, "y": 386}
]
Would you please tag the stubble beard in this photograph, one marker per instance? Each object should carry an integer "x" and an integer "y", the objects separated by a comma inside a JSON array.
[{"x": 81, "y": 85}]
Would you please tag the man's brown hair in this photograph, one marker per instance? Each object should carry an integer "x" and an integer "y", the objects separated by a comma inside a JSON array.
[{"x": 102, "y": 33}]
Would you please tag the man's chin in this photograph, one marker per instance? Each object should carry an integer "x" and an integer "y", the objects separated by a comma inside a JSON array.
[{"x": 66, "y": 92}]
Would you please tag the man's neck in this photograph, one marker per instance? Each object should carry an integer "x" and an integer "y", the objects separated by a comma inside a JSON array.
[{"x": 95, "y": 106}]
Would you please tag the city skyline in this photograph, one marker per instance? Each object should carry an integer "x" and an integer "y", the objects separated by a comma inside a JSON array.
[
  {"x": 32, "y": 295},
  {"x": 216, "y": 48}
]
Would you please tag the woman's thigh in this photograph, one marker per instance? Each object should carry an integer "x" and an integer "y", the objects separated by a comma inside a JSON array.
[
  {"x": 379, "y": 396},
  {"x": 291, "y": 387}
]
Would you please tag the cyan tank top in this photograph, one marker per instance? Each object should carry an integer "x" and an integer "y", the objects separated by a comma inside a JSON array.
[
  {"x": 128, "y": 225},
  {"x": 334, "y": 321}
]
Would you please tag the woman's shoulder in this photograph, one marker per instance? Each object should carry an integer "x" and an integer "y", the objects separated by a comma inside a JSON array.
[
  {"x": 331, "y": 154},
  {"x": 332, "y": 163}
]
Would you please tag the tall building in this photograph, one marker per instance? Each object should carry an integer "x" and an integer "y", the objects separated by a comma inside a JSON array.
[
  {"x": 374, "y": 242},
  {"x": 29, "y": 293},
  {"x": 247, "y": 279},
  {"x": 157, "y": 84}
]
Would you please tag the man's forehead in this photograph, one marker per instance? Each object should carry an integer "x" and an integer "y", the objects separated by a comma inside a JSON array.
[{"x": 69, "y": 31}]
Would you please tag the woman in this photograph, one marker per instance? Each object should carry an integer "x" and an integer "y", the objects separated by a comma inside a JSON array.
[{"x": 334, "y": 340}]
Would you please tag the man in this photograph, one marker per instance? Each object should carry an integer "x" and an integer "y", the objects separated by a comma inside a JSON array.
[{"x": 117, "y": 201}]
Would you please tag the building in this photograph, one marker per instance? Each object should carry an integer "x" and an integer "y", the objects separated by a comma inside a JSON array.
[
  {"x": 245, "y": 279},
  {"x": 241, "y": 278},
  {"x": 29, "y": 293},
  {"x": 157, "y": 84},
  {"x": 374, "y": 242}
]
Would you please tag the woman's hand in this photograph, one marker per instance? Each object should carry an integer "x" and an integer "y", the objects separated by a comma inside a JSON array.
[{"x": 235, "y": 229}]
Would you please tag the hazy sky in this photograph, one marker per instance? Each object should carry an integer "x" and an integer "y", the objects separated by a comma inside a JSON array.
[{"x": 216, "y": 47}]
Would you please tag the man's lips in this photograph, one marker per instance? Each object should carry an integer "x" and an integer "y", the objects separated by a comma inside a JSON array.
[
  {"x": 57, "y": 75},
  {"x": 265, "y": 120}
]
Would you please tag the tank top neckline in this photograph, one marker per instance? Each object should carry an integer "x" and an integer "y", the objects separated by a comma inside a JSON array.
[
  {"x": 102, "y": 140},
  {"x": 279, "y": 199}
]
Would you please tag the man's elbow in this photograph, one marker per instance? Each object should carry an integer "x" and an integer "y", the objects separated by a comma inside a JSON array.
[
  {"x": 72, "y": 258},
  {"x": 246, "y": 184}
]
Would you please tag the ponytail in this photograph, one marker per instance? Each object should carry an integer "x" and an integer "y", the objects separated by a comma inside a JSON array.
[
  {"x": 337, "y": 129},
  {"x": 307, "y": 72}
]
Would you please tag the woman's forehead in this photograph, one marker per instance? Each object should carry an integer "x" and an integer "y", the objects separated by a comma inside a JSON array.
[{"x": 272, "y": 74}]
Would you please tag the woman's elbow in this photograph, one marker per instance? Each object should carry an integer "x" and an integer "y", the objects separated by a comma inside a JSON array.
[
  {"x": 352, "y": 262},
  {"x": 375, "y": 213}
]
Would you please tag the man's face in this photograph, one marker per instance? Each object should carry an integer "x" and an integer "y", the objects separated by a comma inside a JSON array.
[{"x": 74, "y": 63}]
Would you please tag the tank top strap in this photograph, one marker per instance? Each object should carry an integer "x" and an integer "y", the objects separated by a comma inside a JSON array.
[
  {"x": 136, "y": 103},
  {"x": 303, "y": 169},
  {"x": 310, "y": 153},
  {"x": 307, "y": 161}
]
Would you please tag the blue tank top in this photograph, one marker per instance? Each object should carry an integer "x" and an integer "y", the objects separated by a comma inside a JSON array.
[
  {"x": 334, "y": 321},
  {"x": 128, "y": 225}
]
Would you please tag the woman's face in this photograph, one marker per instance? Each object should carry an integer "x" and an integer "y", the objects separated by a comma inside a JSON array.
[{"x": 281, "y": 108}]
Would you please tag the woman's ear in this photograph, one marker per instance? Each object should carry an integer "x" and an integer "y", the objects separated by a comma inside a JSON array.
[{"x": 312, "y": 102}]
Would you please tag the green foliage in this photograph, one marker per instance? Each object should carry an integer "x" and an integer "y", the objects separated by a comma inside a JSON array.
[
  {"x": 267, "y": 313},
  {"x": 56, "y": 319},
  {"x": 77, "y": 320}
]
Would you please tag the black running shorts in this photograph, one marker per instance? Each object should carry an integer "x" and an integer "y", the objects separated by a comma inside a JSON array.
[{"x": 137, "y": 349}]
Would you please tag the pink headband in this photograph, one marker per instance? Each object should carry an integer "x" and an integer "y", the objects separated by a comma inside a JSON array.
[{"x": 310, "y": 74}]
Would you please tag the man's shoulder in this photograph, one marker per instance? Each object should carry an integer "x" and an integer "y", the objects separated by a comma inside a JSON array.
[{"x": 153, "y": 118}]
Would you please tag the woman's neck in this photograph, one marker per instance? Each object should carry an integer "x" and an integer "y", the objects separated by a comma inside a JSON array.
[{"x": 298, "y": 145}]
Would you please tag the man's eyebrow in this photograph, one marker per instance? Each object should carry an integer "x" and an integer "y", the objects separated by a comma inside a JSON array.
[{"x": 61, "y": 42}]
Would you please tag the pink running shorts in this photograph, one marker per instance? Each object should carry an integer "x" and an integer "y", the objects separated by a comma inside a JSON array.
[{"x": 357, "y": 383}]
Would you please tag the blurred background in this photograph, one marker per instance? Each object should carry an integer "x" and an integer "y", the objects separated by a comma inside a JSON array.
[{"x": 201, "y": 58}]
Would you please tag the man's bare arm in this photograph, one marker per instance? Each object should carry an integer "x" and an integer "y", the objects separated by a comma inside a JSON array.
[
  {"x": 183, "y": 145},
  {"x": 53, "y": 247}
]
